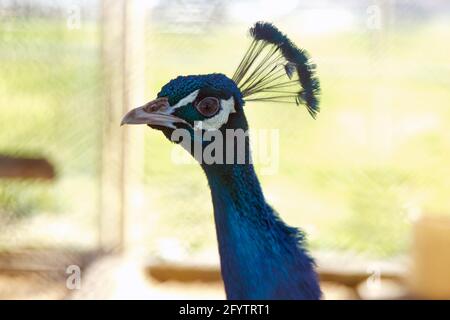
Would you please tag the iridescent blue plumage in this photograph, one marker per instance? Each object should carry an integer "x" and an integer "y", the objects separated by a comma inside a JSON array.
[
  {"x": 181, "y": 86},
  {"x": 261, "y": 257}
]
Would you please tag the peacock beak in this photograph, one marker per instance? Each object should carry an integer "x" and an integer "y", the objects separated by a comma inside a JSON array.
[{"x": 156, "y": 112}]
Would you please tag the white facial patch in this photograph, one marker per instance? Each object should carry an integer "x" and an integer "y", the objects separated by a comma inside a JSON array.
[
  {"x": 186, "y": 100},
  {"x": 221, "y": 118}
]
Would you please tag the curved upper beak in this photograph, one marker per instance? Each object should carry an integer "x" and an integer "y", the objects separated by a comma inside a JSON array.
[{"x": 156, "y": 112}]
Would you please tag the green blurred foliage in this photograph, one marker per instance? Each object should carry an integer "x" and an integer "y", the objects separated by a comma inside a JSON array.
[{"x": 21, "y": 199}]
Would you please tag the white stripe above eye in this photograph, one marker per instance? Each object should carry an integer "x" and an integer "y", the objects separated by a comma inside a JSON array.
[
  {"x": 221, "y": 118},
  {"x": 186, "y": 100}
]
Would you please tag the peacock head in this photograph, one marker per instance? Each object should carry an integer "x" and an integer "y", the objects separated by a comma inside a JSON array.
[
  {"x": 273, "y": 70},
  {"x": 191, "y": 102}
]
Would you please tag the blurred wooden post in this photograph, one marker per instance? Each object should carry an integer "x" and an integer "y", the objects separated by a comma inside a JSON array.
[
  {"x": 430, "y": 276},
  {"x": 381, "y": 135},
  {"x": 122, "y": 55}
]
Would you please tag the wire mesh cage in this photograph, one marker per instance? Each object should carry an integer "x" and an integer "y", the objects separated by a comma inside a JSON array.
[
  {"x": 348, "y": 177},
  {"x": 50, "y": 112},
  {"x": 355, "y": 179},
  {"x": 50, "y": 109}
]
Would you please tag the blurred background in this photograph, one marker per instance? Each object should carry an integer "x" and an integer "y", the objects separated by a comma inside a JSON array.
[{"x": 82, "y": 198}]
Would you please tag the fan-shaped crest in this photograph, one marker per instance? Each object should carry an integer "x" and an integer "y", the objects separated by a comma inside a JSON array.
[{"x": 275, "y": 69}]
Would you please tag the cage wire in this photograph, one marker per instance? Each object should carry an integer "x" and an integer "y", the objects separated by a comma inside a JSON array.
[
  {"x": 50, "y": 109},
  {"x": 354, "y": 179}
]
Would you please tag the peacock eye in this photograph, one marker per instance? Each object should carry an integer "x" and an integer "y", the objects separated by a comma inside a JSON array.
[{"x": 208, "y": 106}]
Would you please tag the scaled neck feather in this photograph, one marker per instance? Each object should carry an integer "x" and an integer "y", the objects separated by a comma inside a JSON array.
[{"x": 261, "y": 257}]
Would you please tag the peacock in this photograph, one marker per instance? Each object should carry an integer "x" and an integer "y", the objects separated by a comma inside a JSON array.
[{"x": 261, "y": 257}]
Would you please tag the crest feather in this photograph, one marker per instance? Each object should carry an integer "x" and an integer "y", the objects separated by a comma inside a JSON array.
[{"x": 275, "y": 69}]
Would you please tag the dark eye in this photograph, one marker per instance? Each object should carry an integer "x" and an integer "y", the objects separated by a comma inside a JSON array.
[{"x": 208, "y": 106}]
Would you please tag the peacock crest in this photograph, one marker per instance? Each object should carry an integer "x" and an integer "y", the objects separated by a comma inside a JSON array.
[{"x": 274, "y": 69}]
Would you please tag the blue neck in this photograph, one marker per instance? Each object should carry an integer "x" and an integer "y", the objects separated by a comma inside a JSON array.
[{"x": 261, "y": 257}]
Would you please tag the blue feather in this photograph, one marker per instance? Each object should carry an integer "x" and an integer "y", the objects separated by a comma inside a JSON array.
[{"x": 261, "y": 257}]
